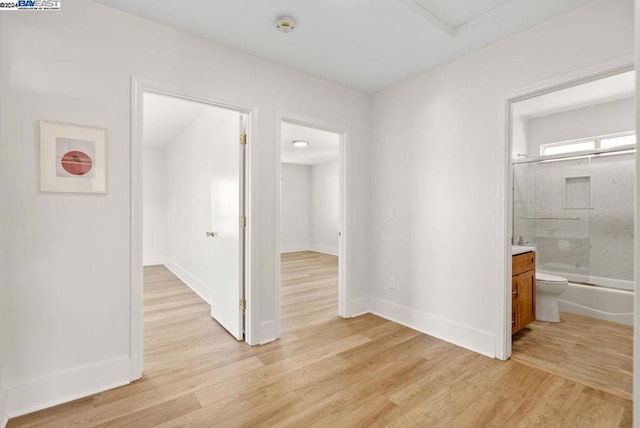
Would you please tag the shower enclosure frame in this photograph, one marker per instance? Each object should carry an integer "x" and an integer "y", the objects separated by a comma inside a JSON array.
[{"x": 505, "y": 182}]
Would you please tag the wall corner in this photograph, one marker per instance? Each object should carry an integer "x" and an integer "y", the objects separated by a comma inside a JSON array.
[{"x": 4, "y": 419}]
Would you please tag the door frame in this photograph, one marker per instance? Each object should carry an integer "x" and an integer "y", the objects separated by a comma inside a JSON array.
[
  {"x": 505, "y": 180},
  {"x": 138, "y": 88},
  {"x": 344, "y": 283}
]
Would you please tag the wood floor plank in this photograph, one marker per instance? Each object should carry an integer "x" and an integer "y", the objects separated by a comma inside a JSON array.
[
  {"x": 330, "y": 372},
  {"x": 594, "y": 352}
]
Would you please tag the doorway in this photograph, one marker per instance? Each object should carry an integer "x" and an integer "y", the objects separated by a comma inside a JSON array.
[
  {"x": 188, "y": 203},
  {"x": 312, "y": 219},
  {"x": 569, "y": 293}
]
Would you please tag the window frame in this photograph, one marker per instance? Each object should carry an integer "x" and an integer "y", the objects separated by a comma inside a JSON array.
[{"x": 596, "y": 140}]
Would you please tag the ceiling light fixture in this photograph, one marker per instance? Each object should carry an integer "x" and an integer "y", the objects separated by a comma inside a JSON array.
[
  {"x": 285, "y": 24},
  {"x": 300, "y": 143}
]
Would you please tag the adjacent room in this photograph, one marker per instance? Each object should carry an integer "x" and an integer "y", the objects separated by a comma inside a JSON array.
[
  {"x": 192, "y": 205},
  {"x": 309, "y": 225}
]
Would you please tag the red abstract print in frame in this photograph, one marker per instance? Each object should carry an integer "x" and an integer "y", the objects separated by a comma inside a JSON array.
[{"x": 76, "y": 162}]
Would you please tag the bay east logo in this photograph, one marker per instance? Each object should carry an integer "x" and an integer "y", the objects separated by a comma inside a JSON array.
[{"x": 30, "y": 5}]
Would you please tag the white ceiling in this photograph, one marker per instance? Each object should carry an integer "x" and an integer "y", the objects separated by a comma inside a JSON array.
[
  {"x": 599, "y": 91},
  {"x": 323, "y": 145},
  {"x": 165, "y": 117},
  {"x": 367, "y": 45}
]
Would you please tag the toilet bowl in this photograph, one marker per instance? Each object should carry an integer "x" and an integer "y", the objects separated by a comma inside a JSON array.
[{"x": 548, "y": 289}]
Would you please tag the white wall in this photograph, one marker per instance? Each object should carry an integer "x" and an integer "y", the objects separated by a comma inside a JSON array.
[
  {"x": 154, "y": 201},
  {"x": 325, "y": 210},
  {"x": 435, "y": 164},
  {"x": 71, "y": 327},
  {"x": 309, "y": 213},
  {"x": 295, "y": 204},
  {"x": 601, "y": 119}
]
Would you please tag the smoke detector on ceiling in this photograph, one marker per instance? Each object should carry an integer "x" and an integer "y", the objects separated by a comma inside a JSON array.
[{"x": 285, "y": 24}]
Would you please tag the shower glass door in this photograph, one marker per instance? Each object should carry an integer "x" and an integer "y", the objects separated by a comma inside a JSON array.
[{"x": 579, "y": 214}]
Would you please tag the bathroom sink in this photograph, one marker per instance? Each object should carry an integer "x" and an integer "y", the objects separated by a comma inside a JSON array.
[{"x": 520, "y": 249}]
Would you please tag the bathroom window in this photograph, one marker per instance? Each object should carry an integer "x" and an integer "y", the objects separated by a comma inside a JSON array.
[
  {"x": 623, "y": 140},
  {"x": 603, "y": 142}
]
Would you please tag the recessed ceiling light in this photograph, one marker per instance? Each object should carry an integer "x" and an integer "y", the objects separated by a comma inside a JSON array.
[
  {"x": 285, "y": 24},
  {"x": 300, "y": 143}
]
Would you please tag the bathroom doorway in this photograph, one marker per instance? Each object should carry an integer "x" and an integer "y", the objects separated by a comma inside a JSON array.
[{"x": 571, "y": 215}]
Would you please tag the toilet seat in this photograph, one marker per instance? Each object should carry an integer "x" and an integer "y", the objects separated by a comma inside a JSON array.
[{"x": 546, "y": 278}]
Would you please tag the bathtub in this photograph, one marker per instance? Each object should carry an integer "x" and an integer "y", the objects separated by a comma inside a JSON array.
[{"x": 598, "y": 301}]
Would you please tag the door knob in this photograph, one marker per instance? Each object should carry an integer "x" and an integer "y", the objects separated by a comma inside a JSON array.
[{"x": 210, "y": 234}]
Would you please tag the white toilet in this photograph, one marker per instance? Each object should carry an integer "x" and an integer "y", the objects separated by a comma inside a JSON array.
[{"x": 548, "y": 289}]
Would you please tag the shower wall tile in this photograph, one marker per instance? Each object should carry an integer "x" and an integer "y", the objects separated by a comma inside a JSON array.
[{"x": 612, "y": 217}]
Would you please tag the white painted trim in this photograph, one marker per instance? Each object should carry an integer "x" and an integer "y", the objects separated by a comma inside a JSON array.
[
  {"x": 360, "y": 307},
  {"x": 324, "y": 249},
  {"x": 68, "y": 385},
  {"x": 636, "y": 296},
  {"x": 251, "y": 315},
  {"x": 198, "y": 287},
  {"x": 505, "y": 177},
  {"x": 4, "y": 418},
  {"x": 344, "y": 280},
  {"x": 137, "y": 280},
  {"x": 482, "y": 342},
  {"x": 138, "y": 88},
  {"x": 154, "y": 260},
  {"x": 269, "y": 331},
  {"x": 294, "y": 248}
]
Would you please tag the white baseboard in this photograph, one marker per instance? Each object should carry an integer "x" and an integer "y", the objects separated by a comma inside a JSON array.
[
  {"x": 324, "y": 249},
  {"x": 199, "y": 287},
  {"x": 69, "y": 385},
  {"x": 360, "y": 307},
  {"x": 268, "y": 332},
  {"x": 4, "y": 419},
  {"x": 294, "y": 248},
  {"x": 153, "y": 260},
  {"x": 468, "y": 337}
]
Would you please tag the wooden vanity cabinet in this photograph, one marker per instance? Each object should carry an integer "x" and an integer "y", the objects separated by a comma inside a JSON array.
[{"x": 523, "y": 291}]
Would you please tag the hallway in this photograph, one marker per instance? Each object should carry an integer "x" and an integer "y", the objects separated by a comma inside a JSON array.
[{"x": 324, "y": 371}]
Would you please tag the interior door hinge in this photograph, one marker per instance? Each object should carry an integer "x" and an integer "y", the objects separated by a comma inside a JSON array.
[
  {"x": 243, "y": 304},
  {"x": 243, "y": 222},
  {"x": 243, "y": 139}
]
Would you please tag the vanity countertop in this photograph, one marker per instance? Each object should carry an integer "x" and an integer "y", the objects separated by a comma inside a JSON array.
[{"x": 521, "y": 249}]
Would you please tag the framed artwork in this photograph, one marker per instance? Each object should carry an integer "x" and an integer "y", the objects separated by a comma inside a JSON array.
[{"x": 73, "y": 158}]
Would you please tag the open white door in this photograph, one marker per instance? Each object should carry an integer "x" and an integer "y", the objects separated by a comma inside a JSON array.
[{"x": 225, "y": 249}]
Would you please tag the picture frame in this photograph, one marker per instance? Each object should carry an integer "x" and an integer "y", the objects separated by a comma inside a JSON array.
[{"x": 73, "y": 158}]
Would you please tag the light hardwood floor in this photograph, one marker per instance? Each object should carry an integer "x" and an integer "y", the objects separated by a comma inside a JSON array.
[
  {"x": 324, "y": 371},
  {"x": 595, "y": 352}
]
